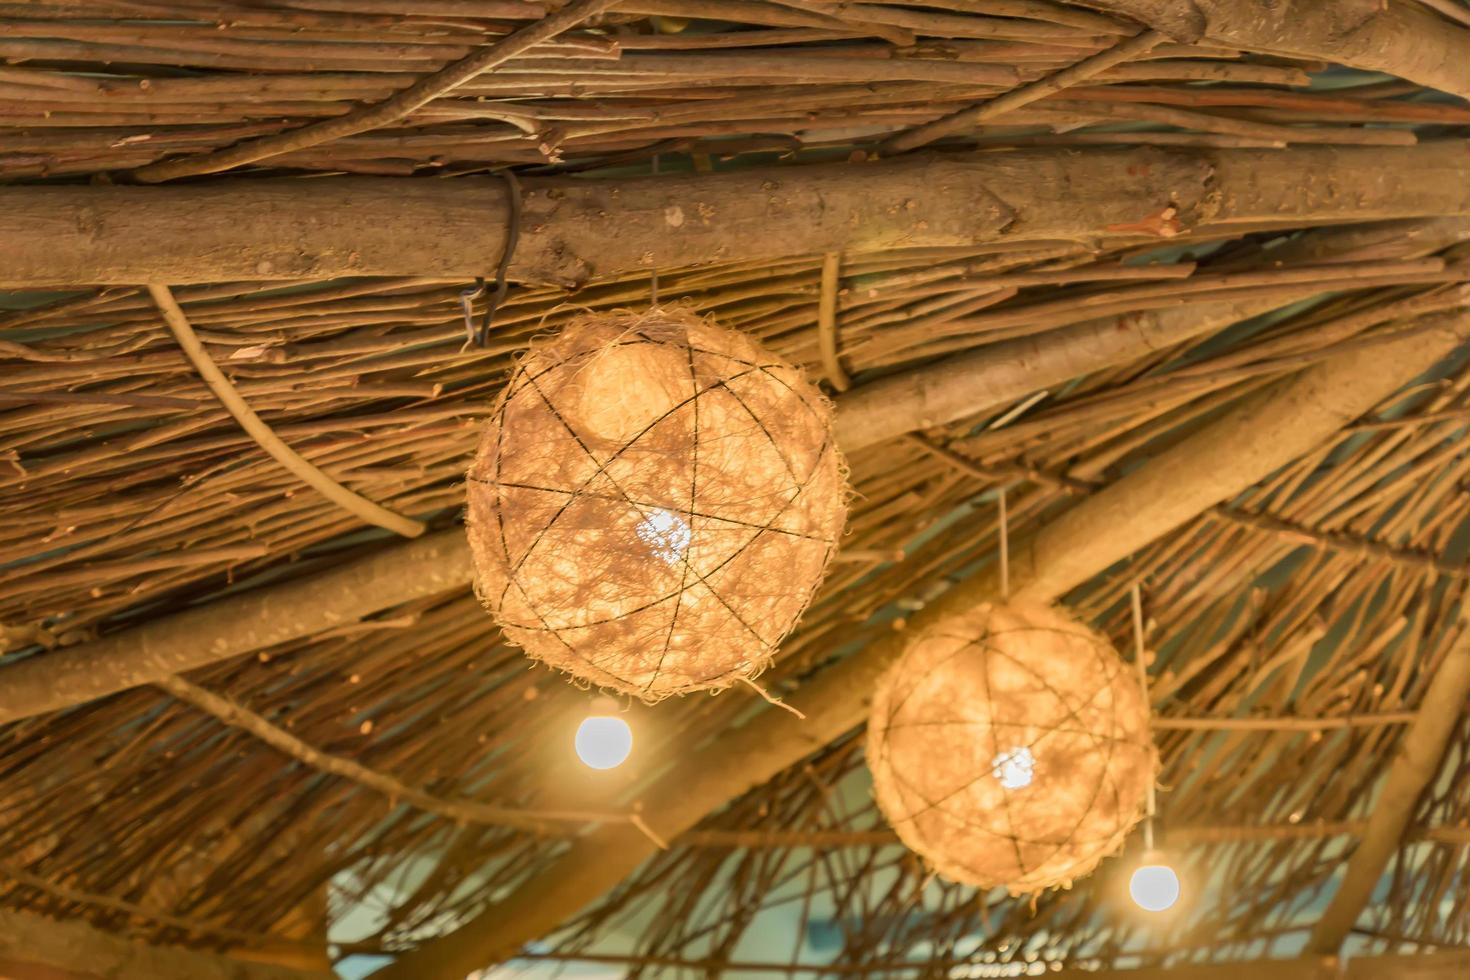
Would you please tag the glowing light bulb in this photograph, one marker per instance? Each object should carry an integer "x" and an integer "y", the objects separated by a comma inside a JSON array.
[
  {"x": 1154, "y": 886},
  {"x": 1014, "y": 769},
  {"x": 603, "y": 741},
  {"x": 666, "y": 535}
]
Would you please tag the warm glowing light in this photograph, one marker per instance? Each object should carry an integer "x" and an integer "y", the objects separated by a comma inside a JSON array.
[
  {"x": 654, "y": 501},
  {"x": 1154, "y": 887},
  {"x": 667, "y": 535},
  {"x": 1010, "y": 747},
  {"x": 1014, "y": 768},
  {"x": 604, "y": 741}
]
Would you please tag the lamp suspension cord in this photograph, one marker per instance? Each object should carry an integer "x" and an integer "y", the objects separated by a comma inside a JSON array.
[
  {"x": 1005, "y": 547},
  {"x": 1140, "y": 661},
  {"x": 478, "y": 335},
  {"x": 653, "y": 275}
]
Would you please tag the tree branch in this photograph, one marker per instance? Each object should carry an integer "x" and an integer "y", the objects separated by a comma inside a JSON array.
[
  {"x": 1397, "y": 38},
  {"x": 577, "y": 229},
  {"x": 547, "y": 823},
  {"x": 85, "y": 952}
]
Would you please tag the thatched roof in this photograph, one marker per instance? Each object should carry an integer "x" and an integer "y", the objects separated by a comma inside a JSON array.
[{"x": 1223, "y": 275}]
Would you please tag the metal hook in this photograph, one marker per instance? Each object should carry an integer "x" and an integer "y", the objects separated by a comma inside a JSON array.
[
  {"x": 512, "y": 239},
  {"x": 467, "y": 299},
  {"x": 479, "y": 336}
]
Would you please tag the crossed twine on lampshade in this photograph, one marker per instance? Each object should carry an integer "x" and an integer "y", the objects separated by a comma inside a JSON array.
[
  {"x": 653, "y": 502},
  {"x": 1010, "y": 747}
]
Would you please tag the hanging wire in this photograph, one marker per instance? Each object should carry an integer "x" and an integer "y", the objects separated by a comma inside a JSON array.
[
  {"x": 653, "y": 275},
  {"x": 467, "y": 299},
  {"x": 1005, "y": 548},
  {"x": 479, "y": 335},
  {"x": 1139, "y": 660}
]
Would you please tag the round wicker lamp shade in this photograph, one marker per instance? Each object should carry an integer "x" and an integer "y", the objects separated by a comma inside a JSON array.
[
  {"x": 653, "y": 503},
  {"x": 1010, "y": 747}
]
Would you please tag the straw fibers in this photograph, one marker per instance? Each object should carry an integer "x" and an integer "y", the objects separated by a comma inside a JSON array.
[
  {"x": 1010, "y": 747},
  {"x": 654, "y": 502}
]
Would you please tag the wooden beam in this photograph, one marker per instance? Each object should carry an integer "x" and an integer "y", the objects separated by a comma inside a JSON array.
[
  {"x": 576, "y": 228},
  {"x": 33, "y": 948},
  {"x": 953, "y": 388},
  {"x": 251, "y": 621},
  {"x": 1417, "y": 761},
  {"x": 1214, "y": 464},
  {"x": 995, "y": 374},
  {"x": 1397, "y": 38}
]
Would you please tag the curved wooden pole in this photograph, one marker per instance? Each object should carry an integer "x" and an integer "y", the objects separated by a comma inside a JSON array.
[
  {"x": 1397, "y": 38},
  {"x": 264, "y": 435}
]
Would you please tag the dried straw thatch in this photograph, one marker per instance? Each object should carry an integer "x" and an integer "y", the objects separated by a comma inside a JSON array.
[{"x": 1228, "y": 226}]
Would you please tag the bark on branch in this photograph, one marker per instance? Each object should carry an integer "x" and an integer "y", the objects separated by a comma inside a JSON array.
[
  {"x": 252, "y": 621},
  {"x": 1397, "y": 38},
  {"x": 575, "y": 229},
  {"x": 75, "y": 949}
]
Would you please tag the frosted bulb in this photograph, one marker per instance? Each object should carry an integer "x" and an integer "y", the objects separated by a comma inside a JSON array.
[
  {"x": 603, "y": 742},
  {"x": 667, "y": 535},
  {"x": 1155, "y": 887},
  {"x": 1013, "y": 769}
]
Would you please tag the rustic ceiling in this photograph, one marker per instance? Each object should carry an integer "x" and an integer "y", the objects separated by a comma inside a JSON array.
[{"x": 400, "y": 781}]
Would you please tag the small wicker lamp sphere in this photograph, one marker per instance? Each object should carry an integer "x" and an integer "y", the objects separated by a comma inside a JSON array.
[
  {"x": 1010, "y": 747},
  {"x": 653, "y": 503}
]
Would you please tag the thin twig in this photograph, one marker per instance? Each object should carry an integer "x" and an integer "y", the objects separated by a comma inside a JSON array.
[
  {"x": 390, "y": 110},
  {"x": 373, "y": 513},
  {"x": 1124, "y": 50},
  {"x": 549, "y": 823},
  {"x": 827, "y": 322},
  {"x": 1140, "y": 661}
]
